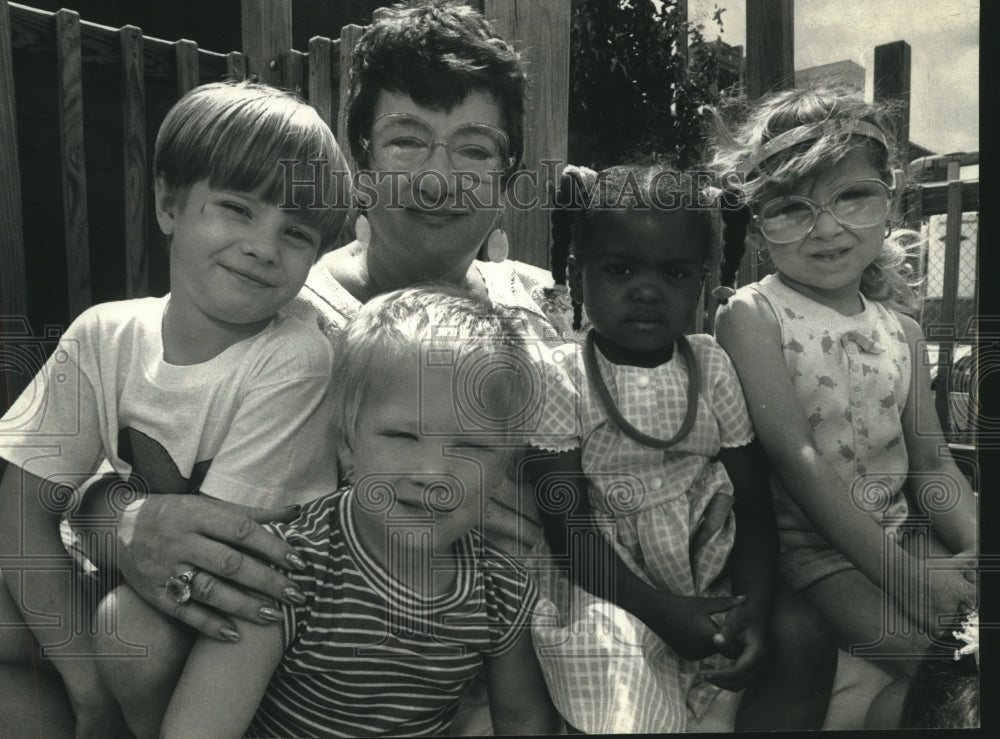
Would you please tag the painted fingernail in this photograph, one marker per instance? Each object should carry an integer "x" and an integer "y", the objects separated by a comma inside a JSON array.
[
  {"x": 296, "y": 561},
  {"x": 269, "y": 614},
  {"x": 294, "y": 595},
  {"x": 229, "y": 634}
]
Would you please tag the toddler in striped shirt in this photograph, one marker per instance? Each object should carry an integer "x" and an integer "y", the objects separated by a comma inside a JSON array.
[{"x": 405, "y": 601}]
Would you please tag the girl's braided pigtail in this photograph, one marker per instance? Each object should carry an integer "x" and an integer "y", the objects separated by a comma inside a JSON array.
[
  {"x": 736, "y": 219},
  {"x": 571, "y": 197},
  {"x": 562, "y": 223}
]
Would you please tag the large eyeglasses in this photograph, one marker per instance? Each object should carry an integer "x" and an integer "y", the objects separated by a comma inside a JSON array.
[
  {"x": 855, "y": 205},
  {"x": 404, "y": 142}
]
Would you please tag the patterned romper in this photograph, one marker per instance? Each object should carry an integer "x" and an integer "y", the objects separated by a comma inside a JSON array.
[
  {"x": 852, "y": 378},
  {"x": 672, "y": 516}
]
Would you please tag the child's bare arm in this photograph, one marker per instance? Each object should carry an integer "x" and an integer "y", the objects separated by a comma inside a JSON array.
[
  {"x": 753, "y": 563},
  {"x": 519, "y": 701},
  {"x": 222, "y": 684},
  {"x": 940, "y": 488}
]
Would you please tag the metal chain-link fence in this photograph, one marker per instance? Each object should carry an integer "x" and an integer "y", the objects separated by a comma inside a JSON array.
[
  {"x": 932, "y": 273},
  {"x": 930, "y": 266}
]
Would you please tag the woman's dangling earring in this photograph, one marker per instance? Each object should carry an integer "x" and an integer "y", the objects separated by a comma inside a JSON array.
[
  {"x": 362, "y": 230},
  {"x": 497, "y": 246}
]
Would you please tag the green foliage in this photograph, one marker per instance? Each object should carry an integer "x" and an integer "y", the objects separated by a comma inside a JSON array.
[{"x": 632, "y": 94}]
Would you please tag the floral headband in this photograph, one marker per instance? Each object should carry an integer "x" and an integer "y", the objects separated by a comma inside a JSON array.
[{"x": 810, "y": 132}]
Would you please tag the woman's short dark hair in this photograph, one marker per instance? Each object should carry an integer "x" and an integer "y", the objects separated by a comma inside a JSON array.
[{"x": 436, "y": 52}]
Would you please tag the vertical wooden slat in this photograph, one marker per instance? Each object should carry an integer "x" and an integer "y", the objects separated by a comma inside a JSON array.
[
  {"x": 291, "y": 71},
  {"x": 267, "y": 35},
  {"x": 335, "y": 82},
  {"x": 349, "y": 36},
  {"x": 770, "y": 67},
  {"x": 136, "y": 176},
  {"x": 321, "y": 90},
  {"x": 770, "y": 46},
  {"x": 69, "y": 69},
  {"x": 236, "y": 66},
  {"x": 892, "y": 85},
  {"x": 188, "y": 72},
  {"x": 540, "y": 31},
  {"x": 976, "y": 337},
  {"x": 13, "y": 296},
  {"x": 949, "y": 293},
  {"x": 12, "y": 282}
]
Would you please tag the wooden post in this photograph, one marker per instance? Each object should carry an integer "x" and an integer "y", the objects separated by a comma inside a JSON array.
[
  {"x": 349, "y": 37},
  {"x": 236, "y": 65},
  {"x": 188, "y": 72},
  {"x": 69, "y": 69},
  {"x": 892, "y": 84},
  {"x": 540, "y": 31},
  {"x": 770, "y": 67},
  {"x": 136, "y": 175},
  {"x": 321, "y": 81},
  {"x": 949, "y": 294},
  {"x": 291, "y": 68},
  {"x": 13, "y": 301},
  {"x": 770, "y": 45},
  {"x": 13, "y": 298},
  {"x": 267, "y": 35}
]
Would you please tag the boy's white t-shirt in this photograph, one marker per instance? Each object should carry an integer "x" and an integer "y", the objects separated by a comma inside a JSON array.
[{"x": 251, "y": 425}]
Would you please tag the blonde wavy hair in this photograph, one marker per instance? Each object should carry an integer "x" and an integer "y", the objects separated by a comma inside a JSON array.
[{"x": 888, "y": 278}]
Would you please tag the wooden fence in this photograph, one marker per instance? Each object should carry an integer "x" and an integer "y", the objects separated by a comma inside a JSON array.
[{"x": 80, "y": 104}]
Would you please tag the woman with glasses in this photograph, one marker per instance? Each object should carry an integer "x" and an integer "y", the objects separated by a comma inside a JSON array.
[
  {"x": 837, "y": 386},
  {"x": 435, "y": 120}
]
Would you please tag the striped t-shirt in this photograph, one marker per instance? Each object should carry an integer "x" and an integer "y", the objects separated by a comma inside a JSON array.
[{"x": 366, "y": 655}]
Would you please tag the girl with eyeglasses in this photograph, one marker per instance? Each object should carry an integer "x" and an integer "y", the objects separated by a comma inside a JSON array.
[{"x": 877, "y": 525}]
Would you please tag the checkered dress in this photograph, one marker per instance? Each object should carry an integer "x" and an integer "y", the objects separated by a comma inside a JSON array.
[{"x": 671, "y": 511}]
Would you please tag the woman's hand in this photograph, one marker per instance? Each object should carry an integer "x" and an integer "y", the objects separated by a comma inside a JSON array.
[
  {"x": 163, "y": 536},
  {"x": 686, "y": 623}
]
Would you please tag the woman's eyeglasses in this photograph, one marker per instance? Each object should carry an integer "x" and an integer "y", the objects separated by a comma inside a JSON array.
[
  {"x": 858, "y": 204},
  {"x": 404, "y": 142}
]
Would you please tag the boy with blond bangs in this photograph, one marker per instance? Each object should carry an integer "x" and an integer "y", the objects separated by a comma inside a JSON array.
[{"x": 209, "y": 390}]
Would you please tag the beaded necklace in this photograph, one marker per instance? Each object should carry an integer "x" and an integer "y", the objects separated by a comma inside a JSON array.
[{"x": 693, "y": 389}]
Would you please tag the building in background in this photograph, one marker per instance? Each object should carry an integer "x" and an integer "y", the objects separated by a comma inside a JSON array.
[{"x": 841, "y": 74}]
